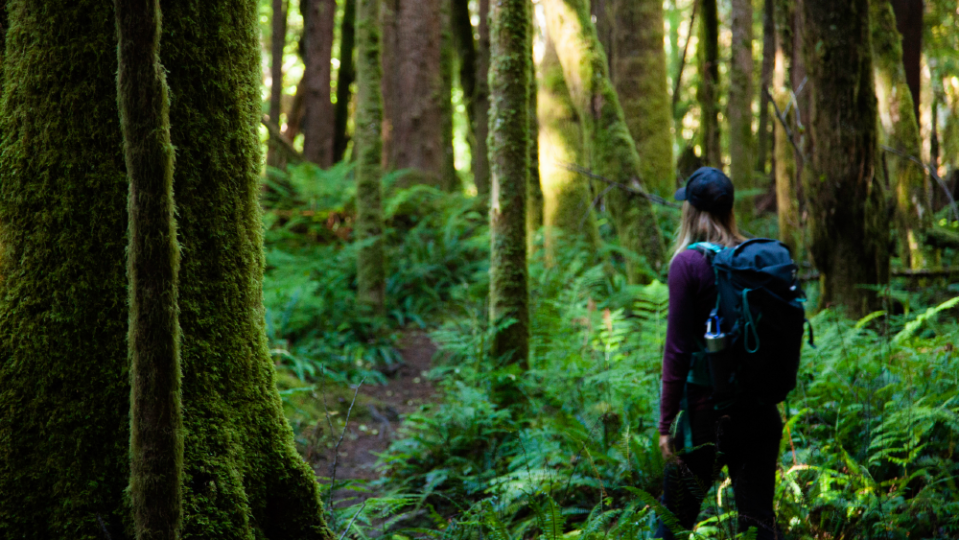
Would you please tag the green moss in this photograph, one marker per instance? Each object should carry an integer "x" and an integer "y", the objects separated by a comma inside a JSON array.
[
  {"x": 371, "y": 267},
  {"x": 509, "y": 164}
]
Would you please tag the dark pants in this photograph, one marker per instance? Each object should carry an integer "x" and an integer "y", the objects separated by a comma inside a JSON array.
[{"x": 746, "y": 439}]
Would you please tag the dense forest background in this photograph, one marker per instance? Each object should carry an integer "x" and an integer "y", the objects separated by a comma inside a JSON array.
[{"x": 394, "y": 269}]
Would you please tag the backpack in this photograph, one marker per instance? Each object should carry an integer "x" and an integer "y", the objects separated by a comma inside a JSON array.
[{"x": 759, "y": 318}]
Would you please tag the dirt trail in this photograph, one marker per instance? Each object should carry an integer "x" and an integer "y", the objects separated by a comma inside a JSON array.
[{"x": 370, "y": 431}]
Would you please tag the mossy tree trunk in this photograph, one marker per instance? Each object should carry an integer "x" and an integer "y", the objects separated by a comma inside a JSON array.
[
  {"x": 763, "y": 139},
  {"x": 609, "y": 146},
  {"x": 370, "y": 265},
  {"x": 449, "y": 181},
  {"x": 787, "y": 194},
  {"x": 481, "y": 165},
  {"x": 907, "y": 178},
  {"x": 153, "y": 258},
  {"x": 317, "y": 126},
  {"x": 639, "y": 73},
  {"x": 846, "y": 201},
  {"x": 567, "y": 205},
  {"x": 740, "y": 105},
  {"x": 64, "y": 369},
  {"x": 344, "y": 79},
  {"x": 462, "y": 28},
  {"x": 509, "y": 166},
  {"x": 534, "y": 195},
  {"x": 707, "y": 93},
  {"x": 277, "y": 43}
]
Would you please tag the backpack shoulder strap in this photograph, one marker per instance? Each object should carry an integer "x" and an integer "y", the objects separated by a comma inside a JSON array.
[{"x": 708, "y": 249}]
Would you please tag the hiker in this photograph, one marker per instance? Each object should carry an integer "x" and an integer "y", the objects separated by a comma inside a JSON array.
[{"x": 744, "y": 435}]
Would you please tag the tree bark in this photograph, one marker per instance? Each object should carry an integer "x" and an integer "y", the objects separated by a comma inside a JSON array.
[
  {"x": 639, "y": 74},
  {"x": 277, "y": 43},
  {"x": 344, "y": 80},
  {"x": 509, "y": 161},
  {"x": 908, "y": 179},
  {"x": 462, "y": 30},
  {"x": 449, "y": 181},
  {"x": 766, "y": 83},
  {"x": 318, "y": 115},
  {"x": 534, "y": 195},
  {"x": 388, "y": 84},
  {"x": 787, "y": 195},
  {"x": 567, "y": 205},
  {"x": 909, "y": 15},
  {"x": 481, "y": 166},
  {"x": 708, "y": 91},
  {"x": 610, "y": 148},
  {"x": 740, "y": 105},
  {"x": 371, "y": 265},
  {"x": 848, "y": 226},
  {"x": 153, "y": 257}
]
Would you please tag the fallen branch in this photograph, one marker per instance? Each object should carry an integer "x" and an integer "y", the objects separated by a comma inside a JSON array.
[
  {"x": 638, "y": 191},
  {"x": 285, "y": 144},
  {"x": 932, "y": 172},
  {"x": 682, "y": 59},
  {"x": 782, "y": 120}
]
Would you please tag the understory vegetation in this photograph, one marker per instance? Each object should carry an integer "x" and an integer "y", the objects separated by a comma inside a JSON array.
[{"x": 870, "y": 435}]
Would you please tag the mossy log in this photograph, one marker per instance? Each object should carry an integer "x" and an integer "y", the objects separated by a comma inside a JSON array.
[{"x": 609, "y": 146}]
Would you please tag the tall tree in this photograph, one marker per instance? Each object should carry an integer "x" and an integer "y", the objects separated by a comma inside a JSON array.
[
  {"x": 609, "y": 146},
  {"x": 567, "y": 206},
  {"x": 639, "y": 73},
  {"x": 277, "y": 44},
  {"x": 371, "y": 271},
  {"x": 740, "y": 105},
  {"x": 909, "y": 22},
  {"x": 318, "y": 118},
  {"x": 344, "y": 80},
  {"x": 534, "y": 194},
  {"x": 156, "y": 424},
  {"x": 846, "y": 200},
  {"x": 765, "y": 84},
  {"x": 66, "y": 439},
  {"x": 787, "y": 193},
  {"x": 509, "y": 166},
  {"x": 413, "y": 90},
  {"x": 708, "y": 91},
  {"x": 481, "y": 166},
  {"x": 449, "y": 180}
]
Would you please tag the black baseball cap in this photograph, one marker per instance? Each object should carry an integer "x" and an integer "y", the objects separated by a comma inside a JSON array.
[{"x": 709, "y": 190}]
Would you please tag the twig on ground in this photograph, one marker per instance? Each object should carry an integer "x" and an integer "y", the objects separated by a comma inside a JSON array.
[
  {"x": 347, "y": 529},
  {"x": 336, "y": 449}
]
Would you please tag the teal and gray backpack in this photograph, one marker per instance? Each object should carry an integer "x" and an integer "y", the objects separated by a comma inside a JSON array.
[{"x": 753, "y": 340}]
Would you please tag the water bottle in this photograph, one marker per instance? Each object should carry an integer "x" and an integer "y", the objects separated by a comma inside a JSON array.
[{"x": 715, "y": 338}]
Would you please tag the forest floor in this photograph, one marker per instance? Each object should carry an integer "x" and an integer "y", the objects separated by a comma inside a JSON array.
[{"x": 371, "y": 431}]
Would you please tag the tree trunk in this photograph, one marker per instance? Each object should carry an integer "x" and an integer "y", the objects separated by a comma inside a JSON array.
[
  {"x": 534, "y": 195},
  {"x": 912, "y": 189},
  {"x": 909, "y": 15},
  {"x": 277, "y": 43},
  {"x": 740, "y": 106},
  {"x": 509, "y": 161},
  {"x": 639, "y": 73},
  {"x": 787, "y": 195},
  {"x": 611, "y": 150},
  {"x": 153, "y": 256},
  {"x": 462, "y": 30},
  {"x": 708, "y": 91},
  {"x": 449, "y": 181},
  {"x": 601, "y": 13},
  {"x": 344, "y": 79},
  {"x": 481, "y": 166},
  {"x": 413, "y": 91},
  {"x": 567, "y": 203},
  {"x": 848, "y": 224},
  {"x": 318, "y": 115},
  {"x": 388, "y": 83},
  {"x": 766, "y": 83},
  {"x": 371, "y": 266}
]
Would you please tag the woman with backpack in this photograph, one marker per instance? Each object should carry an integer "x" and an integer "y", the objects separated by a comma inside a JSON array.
[{"x": 698, "y": 436}]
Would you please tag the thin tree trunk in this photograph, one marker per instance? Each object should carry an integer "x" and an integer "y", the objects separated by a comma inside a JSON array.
[
  {"x": 462, "y": 30},
  {"x": 481, "y": 166},
  {"x": 534, "y": 195},
  {"x": 294, "y": 120},
  {"x": 909, "y": 15},
  {"x": 801, "y": 91},
  {"x": 567, "y": 205},
  {"x": 318, "y": 117},
  {"x": 277, "y": 43},
  {"x": 787, "y": 196},
  {"x": 601, "y": 12},
  {"x": 389, "y": 89},
  {"x": 611, "y": 150},
  {"x": 449, "y": 180},
  {"x": 740, "y": 106},
  {"x": 153, "y": 256},
  {"x": 708, "y": 91},
  {"x": 908, "y": 179},
  {"x": 509, "y": 161},
  {"x": 765, "y": 83},
  {"x": 344, "y": 80},
  {"x": 639, "y": 73},
  {"x": 371, "y": 266},
  {"x": 848, "y": 223}
]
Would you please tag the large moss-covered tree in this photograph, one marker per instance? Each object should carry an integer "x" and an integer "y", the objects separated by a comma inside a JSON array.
[
  {"x": 64, "y": 445},
  {"x": 509, "y": 163},
  {"x": 371, "y": 271},
  {"x": 638, "y": 67},
  {"x": 848, "y": 227},
  {"x": 901, "y": 132},
  {"x": 609, "y": 147},
  {"x": 156, "y": 424}
]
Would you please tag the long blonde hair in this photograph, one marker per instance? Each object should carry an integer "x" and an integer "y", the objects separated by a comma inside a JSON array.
[{"x": 701, "y": 226}]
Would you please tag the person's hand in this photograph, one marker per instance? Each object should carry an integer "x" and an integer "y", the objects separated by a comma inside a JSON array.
[{"x": 666, "y": 447}]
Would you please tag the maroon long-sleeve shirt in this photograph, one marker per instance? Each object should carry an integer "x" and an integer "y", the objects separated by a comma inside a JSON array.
[{"x": 692, "y": 295}]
